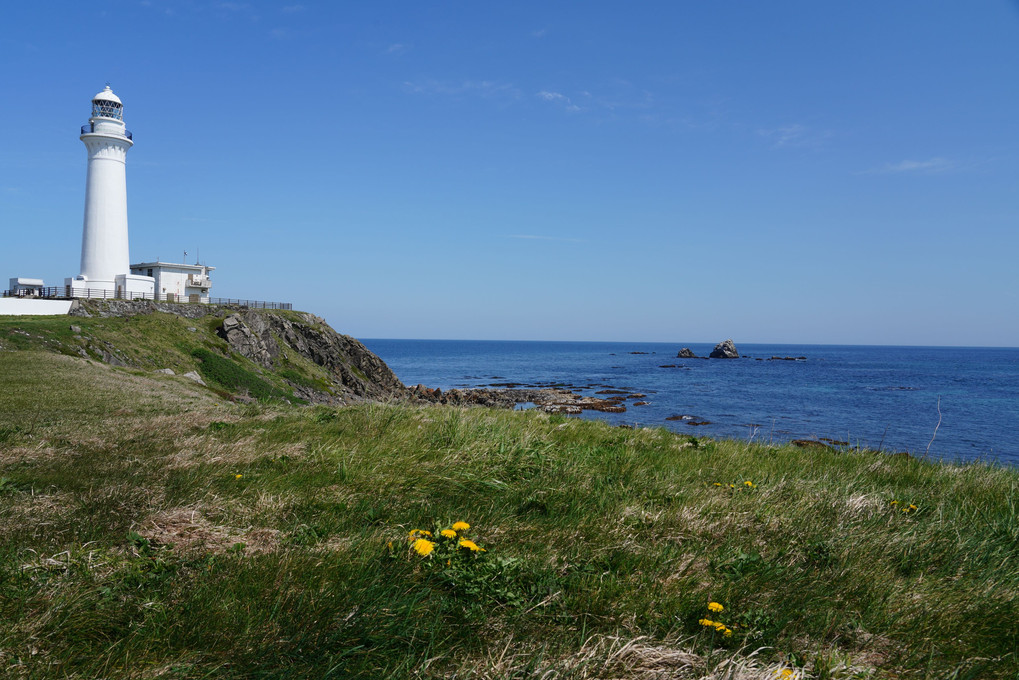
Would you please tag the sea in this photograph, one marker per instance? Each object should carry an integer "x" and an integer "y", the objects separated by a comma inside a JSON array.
[{"x": 953, "y": 404}]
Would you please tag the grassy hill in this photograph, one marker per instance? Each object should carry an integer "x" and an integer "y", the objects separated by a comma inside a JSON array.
[
  {"x": 153, "y": 527},
  {"x": 312, "y": 362}
]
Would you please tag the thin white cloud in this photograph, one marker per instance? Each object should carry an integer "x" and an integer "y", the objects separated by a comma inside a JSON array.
[
  {"x": 536, "y": 237},
  {"x": 558, "y": 98},
  {"x": 794, "y": 136},
  {"x": 482, "y": 88},
  {"x": 929, "y": 166},
  {"x": 618, "y": 95},
  {"x": 397, "y": 48},
  {"x": 787, "y": 134},
  {"x": 540, "y": 33}
]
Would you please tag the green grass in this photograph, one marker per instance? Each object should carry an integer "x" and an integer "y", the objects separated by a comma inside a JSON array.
[
  {"x": 228, "y": 372},
  {"x": 150, "y": 342},
  {"x": 130, "y": 547}
]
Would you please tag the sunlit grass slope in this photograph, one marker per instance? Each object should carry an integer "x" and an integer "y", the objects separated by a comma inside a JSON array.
[
  {"x": 150, "y": 529},
  {"x": 158, "y": 341}
]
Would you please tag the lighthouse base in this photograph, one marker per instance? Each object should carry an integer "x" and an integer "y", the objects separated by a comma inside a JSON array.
[{"x": 124, "y": 287}]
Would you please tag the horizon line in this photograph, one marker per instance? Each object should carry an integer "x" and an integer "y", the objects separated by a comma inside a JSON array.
[{"x": 681, "y": 344}]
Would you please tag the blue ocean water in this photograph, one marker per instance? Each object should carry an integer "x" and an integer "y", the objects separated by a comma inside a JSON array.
[{"x": 870, "y": 396}]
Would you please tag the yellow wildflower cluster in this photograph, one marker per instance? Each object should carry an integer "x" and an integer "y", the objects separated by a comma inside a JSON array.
[
  {"x": 719, "y": 627},
  {"x": 747, "y": 484},
  {"x": 908, "y": 509},
  {"x": 423, "y": 544},
  {"x": 784, "y": 673}
]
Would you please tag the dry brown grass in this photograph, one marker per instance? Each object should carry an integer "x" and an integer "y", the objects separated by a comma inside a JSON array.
[
  {"x": 607, "y": 657},
  {"x": 189, "y": 531}
]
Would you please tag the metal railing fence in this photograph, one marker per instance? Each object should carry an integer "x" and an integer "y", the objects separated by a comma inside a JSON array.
[
  {"x": 67, "y": 293},
  {"x": 89, "y": 128}
]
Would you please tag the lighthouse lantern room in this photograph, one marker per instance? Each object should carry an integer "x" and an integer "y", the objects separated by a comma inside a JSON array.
[{"x": 105, "y": 269}]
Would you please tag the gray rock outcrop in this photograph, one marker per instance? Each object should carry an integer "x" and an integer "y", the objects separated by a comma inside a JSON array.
[
  {"x": 193, "y": 375},
  {"x": 686, "y": 353},
  {"x": 724, "y": 350},
  {"x": 263, "y": 336},
  {"x": 128, "y": 308}
]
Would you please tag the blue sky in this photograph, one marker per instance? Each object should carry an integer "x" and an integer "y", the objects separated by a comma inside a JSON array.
[{"x": 685, "y": 172}]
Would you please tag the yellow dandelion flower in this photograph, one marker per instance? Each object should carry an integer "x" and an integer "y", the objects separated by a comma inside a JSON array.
[
  {"x": 727, "y": 633},
  {"x": 717, "y": 484},
  {"x": 732, "y": 486},
  {"x": 238, "y": 476},
  {"x": 715, "y": 607},
  {"x": 719, "y": 626},
  {"x": 423, "y": 546},
  {"x": 470, "y": 545},
  {"x": 706, "y": 622},
  {"x": 748, "y": 483},
  {"x": 448, "y": 533},
  {"x": 417, "y": 533},
  {"x": 892, "y": 503},
  {"x": 461, "y": 526}
]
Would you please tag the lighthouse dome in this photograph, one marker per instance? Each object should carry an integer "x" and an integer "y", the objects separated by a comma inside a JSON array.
[{"x": 107, "y": 105}]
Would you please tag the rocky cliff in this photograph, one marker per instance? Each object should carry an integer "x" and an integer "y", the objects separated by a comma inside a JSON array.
[
  {"x": 296, "y": 351},
  {"x": 266, "y": 337}
]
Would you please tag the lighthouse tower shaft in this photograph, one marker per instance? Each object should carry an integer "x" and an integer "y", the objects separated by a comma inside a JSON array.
[{"x": 104, "y": 245}]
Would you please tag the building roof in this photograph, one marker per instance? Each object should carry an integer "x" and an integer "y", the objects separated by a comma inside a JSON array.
[
  {"x": 164, "y": 265},
  {"x": 107, "y": 95}
]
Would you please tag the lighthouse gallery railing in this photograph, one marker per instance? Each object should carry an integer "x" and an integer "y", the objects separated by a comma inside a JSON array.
[{"x": 89, "y": 129}]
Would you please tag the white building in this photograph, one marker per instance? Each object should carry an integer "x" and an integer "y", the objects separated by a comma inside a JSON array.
[
  {"x": 105, "y": 270},
  {"x": 22, "y": 287},
  {"x": 176, "y": 282}
]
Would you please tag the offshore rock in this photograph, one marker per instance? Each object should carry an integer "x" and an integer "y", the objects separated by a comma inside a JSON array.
[
  {"x": 724, "y": 350},
  {"x": 811, "y": 444},
  {"x": 686, "y": 353}
]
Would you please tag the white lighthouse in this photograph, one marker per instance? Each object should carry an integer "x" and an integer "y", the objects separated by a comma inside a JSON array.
[{"x": 105, "y": 261}]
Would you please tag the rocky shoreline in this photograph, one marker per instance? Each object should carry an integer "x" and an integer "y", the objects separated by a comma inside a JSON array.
[{"x": 547, "y": 399}]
